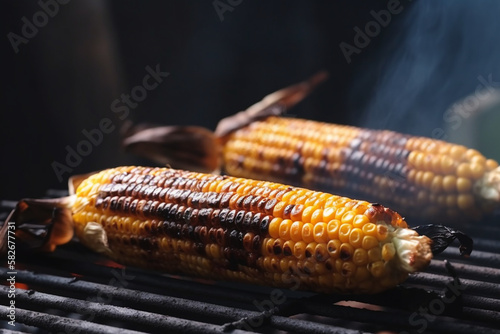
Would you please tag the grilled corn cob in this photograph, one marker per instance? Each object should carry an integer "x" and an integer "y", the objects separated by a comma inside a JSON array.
[
  {"x": 237, "y": 229},
  {"x": 422, "y": 178}
]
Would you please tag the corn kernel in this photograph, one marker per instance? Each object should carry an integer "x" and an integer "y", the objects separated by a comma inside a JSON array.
[
  {"x": 388, "y": 251},
  {"x": 344, "y": 232},
  {"x": 274, "y": 227},
  {"x": 284, "y": 229},
  {"x": 333, "y": 248},
  {"x": 369, "y": 229},
  {"x": 360, "y": 257},
  {"x": 308, "y": 232},
  {"x": 333, "y": 229},
  {"x": 356, "y": 237},
  {"x": 296, "y": 230},
  {"x": 317, "y": 216},
  {"x": 377, "y": 269}
]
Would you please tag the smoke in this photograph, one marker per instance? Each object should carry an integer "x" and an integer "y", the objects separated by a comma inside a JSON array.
[{"x": 430, "y": 58}]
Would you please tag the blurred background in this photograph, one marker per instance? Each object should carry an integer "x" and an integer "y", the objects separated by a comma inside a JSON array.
[{"x": 74, "y": 71}]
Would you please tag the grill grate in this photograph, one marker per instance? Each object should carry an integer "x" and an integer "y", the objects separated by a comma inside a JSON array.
[{"x": 76, "y": 291}]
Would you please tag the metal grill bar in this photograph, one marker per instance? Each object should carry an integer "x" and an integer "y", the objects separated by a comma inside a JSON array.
[
  {"x": 148, "y": 301},
  {"x": 147, "y": 320},
  {"x": 479, "y": 257},
  {"x": 145, "y": 280},
  {"x": 472, "y": 286},
  {"x": 61, "y": 324},
  {"x": 399, "y": 320},
  {"x": 229, "y": 318},
  {"x": 469, "y": 271}
]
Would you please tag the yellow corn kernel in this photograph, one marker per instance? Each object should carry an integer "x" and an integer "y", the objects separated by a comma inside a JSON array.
[
  {"x": 369, "y": 242},
  {"x": 284, "y": 229},
  {"x": 388, "y": 251},
  {"x": 360, "y": 257},
  {"x": 344, "y": 232},
  {"x": 320, "y": 232},
  {"x": 274, "y": 227},
  {"x": 356, "y": 237},
  {"x": 317, "y": 216},
  {"x": 307, "y": 213},
  {"x": 360, "y": 220},
  {"x": 296, "y": 230},
  {"x": 333, "y": 229},
  {"x": 308, "y": 232}
]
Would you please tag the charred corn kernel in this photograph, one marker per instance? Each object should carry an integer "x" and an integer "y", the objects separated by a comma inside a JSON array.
[
  {"x": 348, "y": 269},
  {"x": 333, "y": 248},
  {"x": 346, "y": 251},
  {"x": 296, "y": 213},
  {"x": 240, "y": 229},
  {"x": 321, "y": 252},
  {"x": 288, "y": 247},
  {"x": 382, "y": 166},
  {"x": 310, "y": 249}
]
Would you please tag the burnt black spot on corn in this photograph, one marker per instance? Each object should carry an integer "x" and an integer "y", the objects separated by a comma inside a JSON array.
[{"x": 239, "y": 229}]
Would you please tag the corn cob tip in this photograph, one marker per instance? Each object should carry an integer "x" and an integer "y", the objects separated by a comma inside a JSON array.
[
  {"x": 488, "y": 187},
  {"x": 414, "y": 250},
  {"x": 95, "y": 237}
]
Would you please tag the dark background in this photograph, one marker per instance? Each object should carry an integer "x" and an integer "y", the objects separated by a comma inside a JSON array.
[{"x": 64, "y": 79}]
